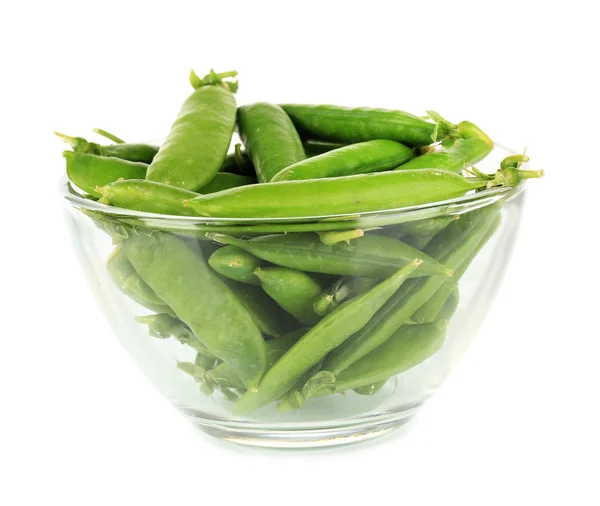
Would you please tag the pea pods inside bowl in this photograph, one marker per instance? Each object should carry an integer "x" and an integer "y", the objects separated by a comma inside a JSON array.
[{"x": 314, "y": 284}]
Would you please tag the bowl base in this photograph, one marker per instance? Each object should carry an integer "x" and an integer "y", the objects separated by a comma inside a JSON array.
[{"x": 303, "y": 438}]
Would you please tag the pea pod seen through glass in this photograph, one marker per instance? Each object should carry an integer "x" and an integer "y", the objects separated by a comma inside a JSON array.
[
  {"x": 367, "y": 256},
  {"x": 466, "y": 234},
  {"x": 326, "y": 335},
  {"x": 292, "y": 289},
  {"x": 406, "y": 348},
  {"x": 183, "y": 279}
]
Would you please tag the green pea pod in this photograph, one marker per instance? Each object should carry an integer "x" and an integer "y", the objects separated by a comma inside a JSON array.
[
  {"x": 181, "y": 277},
  {"x": 371, "y": 389},
  {"x": 463, "y": 152},
  {"x": 128, "y": 281},
  {"x": 147, "y": 196},
  {"x": 450, "y": 306},
  {"x": 293, "y": 290},
  {"x": 266, "y": 314},
  {"x": 350, "y": 125},
  {"x": 406, "y": 302},
  {"x": 406, "y": 348},
  {"x": 90, "y": 171},
  {"x": 428, "y": 312},
  {"x": 197, "y": 144},
  {"x": 153, "y": 197},
  {"x": 428, "y": 227},
  {"x": 138, "y": 152},
  {"x": 326, "y": 335},
  {"x": 224, "y": 376},
  {"x": 164, "y": 326},
  {"x": 333, "y": 237},
  {"x": 270, "y": 139},
  {"x": 361, "y": 158},
  {"x": 340, "y": 291},
  {"x": 349, "y": 194},
  {"x": 236, "y": 263},
  {"x": 368, "y": 256}
]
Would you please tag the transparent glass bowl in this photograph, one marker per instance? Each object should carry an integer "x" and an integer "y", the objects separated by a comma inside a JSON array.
[{"x": 327, "y": 420}]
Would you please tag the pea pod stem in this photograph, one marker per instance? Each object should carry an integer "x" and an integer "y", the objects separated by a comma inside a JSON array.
[
  {"x": 331, "y": 238},
  {"x": 213, "y": 78},
  {"x": 108, "y": 135}
]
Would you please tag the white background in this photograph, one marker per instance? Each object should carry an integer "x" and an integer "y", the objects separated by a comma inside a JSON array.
[{"x": 516, "y": 423}]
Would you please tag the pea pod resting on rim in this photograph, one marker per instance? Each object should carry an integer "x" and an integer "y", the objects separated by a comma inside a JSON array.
[{"x": 350, "y": 194}]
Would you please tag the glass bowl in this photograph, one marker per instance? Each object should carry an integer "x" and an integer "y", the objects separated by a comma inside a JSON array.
[{"x": 331, "y": 419}]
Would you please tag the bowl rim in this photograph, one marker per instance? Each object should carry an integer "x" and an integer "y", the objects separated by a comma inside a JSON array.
[{"x": 470, "y": 201}]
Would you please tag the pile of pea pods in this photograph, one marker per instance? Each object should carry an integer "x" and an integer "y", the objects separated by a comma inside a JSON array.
[{"x": 321, "y": 300}]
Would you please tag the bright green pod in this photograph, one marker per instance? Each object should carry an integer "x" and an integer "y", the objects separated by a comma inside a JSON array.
[
  {"x": 129, "y": 282},
  {"x": 269, "y": 317},
  {"x": 463, "y": 152},
  {"x": 236, "y": 263},
  {"x": 429, "y": 311},
  {"x": 406, "y": 348},
  {"x": 160, "y": 198},
  {"x": 293, "y": 290},
  {"x": 147, "y": 196},
  {"x": 134, "y": 152},
  {"x": 372, "y": 256},
  {"x": 450, "y": 306},
  {"x": 326, "y": 335},
  {"x": 224, "y": 376},
  {"x": 461, "y": 238},
  {"x": 179, "y": 275},
  {"x": 359, "y": 124},
  {"x": 362, "y": 158},
  {"x": 349, "y": 194},
  {"x": 197, "y": 144},
  {"x": 270, "y": 138},
  {"x": 91, "y": 171}
]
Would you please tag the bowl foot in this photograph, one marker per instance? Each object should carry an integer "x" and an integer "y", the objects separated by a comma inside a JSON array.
[{"x": 292, "y": 437}]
